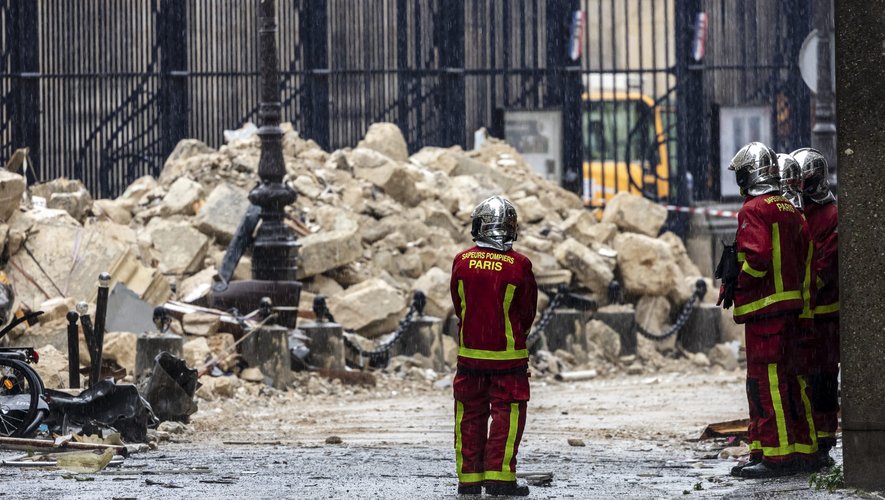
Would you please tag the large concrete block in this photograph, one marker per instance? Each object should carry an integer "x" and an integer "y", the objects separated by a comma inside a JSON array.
[
  {"x": 566, "y": 330},
  {"x": 324, "y": 251},
  {"x": 424, "y": 337},
  {"x": 149, "y": 345},
  {"x": 222, "y": 212},
  {"x": 702, "y": 331},
  {"x": 634, "y": 213},
  {"x": 326, "y": 344},
  {"x": 647, "y": 264},
  {"x": 268, "y": 350},
  {"x": 591, "y": 269},
  {"x": 11, "y": 188}
]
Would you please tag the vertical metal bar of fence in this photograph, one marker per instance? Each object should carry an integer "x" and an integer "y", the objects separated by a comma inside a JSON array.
[
  {"x": 451, "y": 50},
  {"x": 313, "y": 24},
  {"x": 690, "y": 98},
  {"x": 23, "y": 40},
  {"x": 565, "y": 87},
  {"x": 172, "y": 36}
]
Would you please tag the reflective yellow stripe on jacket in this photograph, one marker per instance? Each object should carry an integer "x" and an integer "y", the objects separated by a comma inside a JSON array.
[
  {"x": 779, "y": 294},
  {"x": 510, "y": 352}
]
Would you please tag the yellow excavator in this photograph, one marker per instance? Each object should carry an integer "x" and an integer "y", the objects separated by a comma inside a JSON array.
[{"x": 625, "y": 145}]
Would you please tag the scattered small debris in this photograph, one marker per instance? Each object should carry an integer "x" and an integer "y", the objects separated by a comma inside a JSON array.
[
  {"x": 576, "y": 442},
  {"x": 151, "y": 482},
  {"x": 334, "y": 440}
]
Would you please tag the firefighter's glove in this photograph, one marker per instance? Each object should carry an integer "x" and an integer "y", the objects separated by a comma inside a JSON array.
[{"x": 727, "y": 271}]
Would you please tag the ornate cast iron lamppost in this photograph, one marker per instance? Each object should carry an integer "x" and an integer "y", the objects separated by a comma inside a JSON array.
[{"x": 274, "y": 252}]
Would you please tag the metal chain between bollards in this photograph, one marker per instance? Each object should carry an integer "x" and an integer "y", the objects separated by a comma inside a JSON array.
[
  {"x": 699, "y": 291},
  {"x": 546, "y": 316},
  {"x": 380, "y": 355}
]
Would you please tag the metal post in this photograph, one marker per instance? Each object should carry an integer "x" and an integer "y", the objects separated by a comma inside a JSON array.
[
  {"x": 691, "y": 143},
  {"x": 22, "y": 34},
  {"x": 564, "y": 88},
  {"x": 313, "y": 19},
  {"x": 275, "y": 250},
  {"x": 101, "y": 314},
  {"x": 172, "y": 40},
  {"x": 824, "y": 131},
  {"x": 450, "y": 41},
  {"x": 73, "y": 350}
]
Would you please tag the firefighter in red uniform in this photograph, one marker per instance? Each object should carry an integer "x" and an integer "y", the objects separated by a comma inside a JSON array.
[
  {"x": 823, "y": 376},
  {"x": 773, "y": 255},
  {"x": 495, "y": 297}
]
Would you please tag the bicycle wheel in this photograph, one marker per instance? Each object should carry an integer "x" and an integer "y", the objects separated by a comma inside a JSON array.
[{"x": 20, "y": 391}]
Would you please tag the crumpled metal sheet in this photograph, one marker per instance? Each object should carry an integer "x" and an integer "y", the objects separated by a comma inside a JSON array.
[
  {"x": 104, "y": 405},
  {"x": 170, "y": 388}
]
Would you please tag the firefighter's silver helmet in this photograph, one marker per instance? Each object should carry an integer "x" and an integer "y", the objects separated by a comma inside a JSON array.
[
  {"x": 755, "y": 169},
  {"x": 791, "y": 179},
  {"x": 494, "y": 224},
  {"x": 815, "y": 184}
]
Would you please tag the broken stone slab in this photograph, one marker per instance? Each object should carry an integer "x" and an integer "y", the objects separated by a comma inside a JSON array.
[
  {"x": 11, "y": 188},
  {"x": 55, "y": 308},
  {"x": 196, "y": 287},
  {"x": 182, "y": 197},
  {"x": 218, "y": 387},
  {"x": 252, "y": 374},
  {"x": 222, "y": 212},
  {"x": 371, "y": 308},
  {"x": 138, "y": 189},
  {"x": 53, "y": 367},
  {"x": 324, "y": 251},
  {"x": 201, "y": 324},
  {"x": 647, "y": 264},
  {"x": 653, "y": 314},
  {"x": 634, "y": 213},
  {"x": 438, "y": 159},
  {"x": 184, "y": 150},
  {"x": 591, "y": 269},
  {"x": 69, "y": 195},
  {"x": 117, "y": 211},
  {"x": 180, "y": 248},
  {"x": 196, "y": 352},
  {"x": 530, "y": 209},
  {"x": 724, "y": 355},
  {"x": 680, "y": 254},
  {"x": 580, "y": 225},
  {"x": 121, "y": 348},
  {"x": 386, "y": 138},
  {"x": 435, "y": 285},
  {"x": 396, "y": 179},
  {"x": 606, "y": 338},
  {"x": 66, "y": 260}
]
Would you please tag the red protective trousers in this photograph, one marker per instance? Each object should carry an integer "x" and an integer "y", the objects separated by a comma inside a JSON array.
[
  {"x": 823, "y": 379},
  {"x": 486, "y": 452},
  {"x": 781, "y": 426}
]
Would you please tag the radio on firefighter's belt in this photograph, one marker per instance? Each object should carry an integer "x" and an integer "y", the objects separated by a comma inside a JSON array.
[{"x": 727, "y": 271}]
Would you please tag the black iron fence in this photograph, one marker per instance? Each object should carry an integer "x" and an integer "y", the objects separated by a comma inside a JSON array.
[{"x": 103, "y": 90}]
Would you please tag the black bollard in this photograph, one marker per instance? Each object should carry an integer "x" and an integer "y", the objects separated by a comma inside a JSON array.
[
  {"x": 101, "y": 314},
  {"x": 88, "y": 334},
  {"x": 73, "y": 351}
]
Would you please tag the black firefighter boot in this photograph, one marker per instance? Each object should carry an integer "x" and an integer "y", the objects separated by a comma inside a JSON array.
[
  {"x": 506, "y": 489},
  {"x": 754, "y": 459},
  {"x": 765, "y": 469},
  {"x": 470, "y": 489}
]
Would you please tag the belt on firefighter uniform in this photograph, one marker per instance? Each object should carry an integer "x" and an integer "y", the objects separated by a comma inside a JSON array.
[
  {"x": 516, "y": 370},
  {"x": 510, "y": 352}
]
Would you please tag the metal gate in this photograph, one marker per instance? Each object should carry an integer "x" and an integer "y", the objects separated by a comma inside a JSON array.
[{"x": 103, "y": 90}]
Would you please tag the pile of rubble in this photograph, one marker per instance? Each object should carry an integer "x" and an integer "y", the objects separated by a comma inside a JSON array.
[{"x": 374, "y": 224}]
